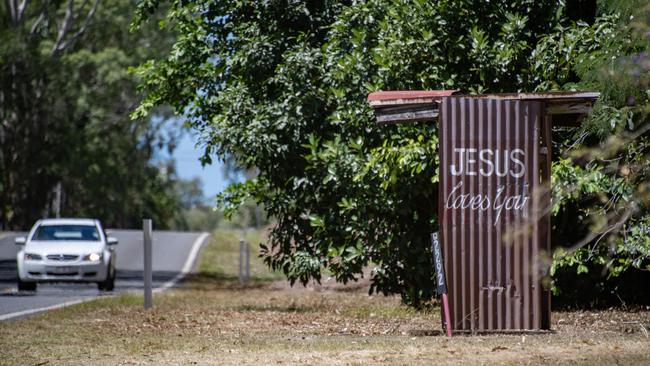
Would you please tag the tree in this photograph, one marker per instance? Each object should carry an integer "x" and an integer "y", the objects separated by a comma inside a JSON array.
[
  {"x": 65, "y": 96},
  {"x": 281, "y": 88},
  {"x": 601, "y": 205}
]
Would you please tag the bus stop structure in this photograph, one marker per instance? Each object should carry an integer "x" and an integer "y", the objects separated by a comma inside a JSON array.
[{"x": 494, "y": 197}]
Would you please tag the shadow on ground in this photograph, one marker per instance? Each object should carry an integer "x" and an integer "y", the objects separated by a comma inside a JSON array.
[
  {"x": 221, "y": 281},
  {"x": 8, "y": 270}
]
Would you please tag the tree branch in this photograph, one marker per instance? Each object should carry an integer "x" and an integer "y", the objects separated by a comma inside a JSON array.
[
  {"x": 21, "y": 9},
  {"x": 37, "y": 22},
  {"x": 600, "y": 234},
  {"x": 83, "y": 28},
  {"x": 11, "y": 6},
  {"x": 16, "y": 11},
  {"x": 65, "y": 26},
  {"x": 62, "y": 43}
]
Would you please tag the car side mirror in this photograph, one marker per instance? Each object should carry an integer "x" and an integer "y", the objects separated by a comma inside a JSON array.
[
  {"x": 20, "y": 240},
  {"x": 111, "y": 240}
]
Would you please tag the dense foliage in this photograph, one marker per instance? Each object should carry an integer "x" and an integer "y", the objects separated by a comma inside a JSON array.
[
  {"x": 280, "y": 86},
  {"x": 65, "y": 98},
  {"x": 602, "y": 179}
]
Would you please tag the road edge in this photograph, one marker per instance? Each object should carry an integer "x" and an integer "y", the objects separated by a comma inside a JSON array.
[{"x": 187, "y": 268}]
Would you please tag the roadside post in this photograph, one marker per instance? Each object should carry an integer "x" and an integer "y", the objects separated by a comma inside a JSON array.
[
  {"x": 244, "y": 262},
  {"x": 148, "y": 273},
  {"x": 248, "y": 262},
  {"x": 441, "y": 282}
]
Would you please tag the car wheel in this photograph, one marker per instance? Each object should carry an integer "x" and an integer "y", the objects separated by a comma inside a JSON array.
[
  {"x": 109, "y": 284},
  {"x": 26, "y": 286}
]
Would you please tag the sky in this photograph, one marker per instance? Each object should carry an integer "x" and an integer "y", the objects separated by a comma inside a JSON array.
[{"x": 188, "y": 166}]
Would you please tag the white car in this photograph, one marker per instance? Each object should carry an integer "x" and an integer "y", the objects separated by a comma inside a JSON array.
[{"x": 66, "y": 250}]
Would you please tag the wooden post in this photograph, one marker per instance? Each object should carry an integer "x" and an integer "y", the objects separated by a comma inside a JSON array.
[
  {"x": 248, "y": 262},
  {"x": 241, "y": 261},
  {"x": 545, "y": 220}
]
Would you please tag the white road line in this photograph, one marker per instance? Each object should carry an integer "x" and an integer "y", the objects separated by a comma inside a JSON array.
[
  {"x": 189, "y": 263},
  {"x": 187, "y": 268}
]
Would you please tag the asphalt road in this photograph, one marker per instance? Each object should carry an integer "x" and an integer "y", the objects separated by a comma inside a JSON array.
[{"x": 174, "y": 254}]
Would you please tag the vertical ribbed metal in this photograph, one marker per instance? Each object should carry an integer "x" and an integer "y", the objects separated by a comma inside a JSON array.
[{"x": 492, "y": 230}]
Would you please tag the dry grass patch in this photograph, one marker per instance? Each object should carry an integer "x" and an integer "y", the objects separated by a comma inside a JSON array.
[{"x": 213, "y": 319}]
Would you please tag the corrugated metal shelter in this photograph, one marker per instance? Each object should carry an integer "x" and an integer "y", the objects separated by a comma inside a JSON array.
[{"x": 495, "y": 159}]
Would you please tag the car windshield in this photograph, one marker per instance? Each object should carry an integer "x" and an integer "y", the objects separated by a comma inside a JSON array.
[{"x": 66, "y": 232}]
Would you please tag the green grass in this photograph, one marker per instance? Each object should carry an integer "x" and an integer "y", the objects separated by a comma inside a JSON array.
[{"x": 220, "y": 259}]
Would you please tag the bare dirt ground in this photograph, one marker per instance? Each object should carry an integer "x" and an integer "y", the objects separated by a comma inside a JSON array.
[{"x": 213, "y": 320}]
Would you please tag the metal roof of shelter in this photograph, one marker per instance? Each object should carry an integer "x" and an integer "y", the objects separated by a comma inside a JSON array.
[
  {"x": 423, "y": 105},
  {"x": 384, "y": 98}
]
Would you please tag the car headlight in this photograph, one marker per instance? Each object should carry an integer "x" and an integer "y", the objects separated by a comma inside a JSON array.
[
  {"x": 32, "y": 257},
  {"x": 93, "y": 257}
]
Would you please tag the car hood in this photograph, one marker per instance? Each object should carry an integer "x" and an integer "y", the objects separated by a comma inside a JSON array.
[{"x": 64, "y": 247}]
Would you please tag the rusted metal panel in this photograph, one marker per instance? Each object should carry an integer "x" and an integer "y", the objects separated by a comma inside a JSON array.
[{"x": 491, "y": 197}]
